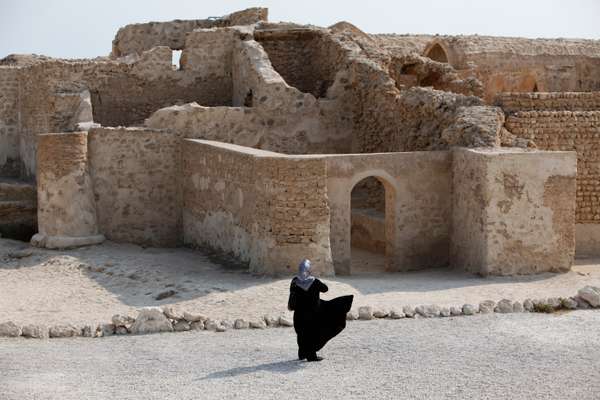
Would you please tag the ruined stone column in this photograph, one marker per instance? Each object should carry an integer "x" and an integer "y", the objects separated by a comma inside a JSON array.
[{"x": 66, "y": 207}]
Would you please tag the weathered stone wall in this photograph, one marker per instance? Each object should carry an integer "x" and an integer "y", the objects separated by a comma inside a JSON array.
[
  {"x": 548, "y": 101},
  {"x": 66, "y": 207},
  {"x": 303, "y": 57},
  {"x": 513, "y": 211},
  {"x": 568, "y": 131},
  {"x": 9, "y": 121},
  {"x": 137, "y": 185},
  {"x": 525, "y": 65},
  {"x": 122, "y": 94},
  {"x": 269, "y": 115},
  {"x": 265, "y": 208},
  {"x": 137, "y": 38},
  {"x": 417, "y": 206}
]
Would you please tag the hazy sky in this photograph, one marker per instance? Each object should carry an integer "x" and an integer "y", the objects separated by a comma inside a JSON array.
[{"x": 83, "y": 28}]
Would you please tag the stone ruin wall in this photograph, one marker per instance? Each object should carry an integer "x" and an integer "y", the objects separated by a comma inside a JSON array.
[
  {"x": 50, "y": 94},
  {"x": 136, "y": 177},
  {"x": 262, "y": 207},
  {"x": 9, "y": 121},
  {"x": 137, "y": 38},
  {"x": 505, "y": 64},
  {"x": 542, "y": 118},
  {"x": 268, "y": 113}
]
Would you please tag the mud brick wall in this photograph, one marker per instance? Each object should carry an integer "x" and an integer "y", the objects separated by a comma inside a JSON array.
[
  {"x": 9, "y": 119},
  {"x": 265, "y": 208},
  {"x": 136, "y": 180},
  {"x": 568, "y": 130}
]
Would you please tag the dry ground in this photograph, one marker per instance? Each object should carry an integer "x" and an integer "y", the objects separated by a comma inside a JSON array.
[
  {"x": 89, "y": 285},
  {"x": 523, "y": 356}
]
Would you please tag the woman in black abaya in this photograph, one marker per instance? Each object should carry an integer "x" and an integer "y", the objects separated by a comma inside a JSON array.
[{"x": 315, "y": 320}]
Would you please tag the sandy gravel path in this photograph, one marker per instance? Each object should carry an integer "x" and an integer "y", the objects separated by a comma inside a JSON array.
[
  {"x": 91, "y": 284},
  {"x": 509, "y": 356}
]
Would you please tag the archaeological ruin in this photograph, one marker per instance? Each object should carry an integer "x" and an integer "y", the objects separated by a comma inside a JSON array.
[{"x": 274, "y": 142}]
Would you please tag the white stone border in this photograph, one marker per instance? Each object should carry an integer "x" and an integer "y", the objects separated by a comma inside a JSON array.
[{"x": 169, "y": 319}]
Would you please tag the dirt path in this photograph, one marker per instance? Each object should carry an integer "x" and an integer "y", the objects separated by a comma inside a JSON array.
[{"x": 91, "y": 284}]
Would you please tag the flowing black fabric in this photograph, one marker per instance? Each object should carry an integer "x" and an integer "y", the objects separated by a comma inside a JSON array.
[{"x": 317, "y": 321}]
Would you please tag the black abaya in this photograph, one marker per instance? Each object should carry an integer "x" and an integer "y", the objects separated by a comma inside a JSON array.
[{"x": 317, "y": 321}]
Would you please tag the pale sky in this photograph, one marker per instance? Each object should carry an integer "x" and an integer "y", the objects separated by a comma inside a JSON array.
[{"x": 83, "y": 28}]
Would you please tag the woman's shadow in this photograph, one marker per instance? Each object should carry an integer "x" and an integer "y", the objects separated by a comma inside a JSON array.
[{"x": 281, "y": 367}]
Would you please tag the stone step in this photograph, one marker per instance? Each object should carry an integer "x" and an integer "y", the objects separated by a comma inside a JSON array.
[{"x": 15, "y": 190}]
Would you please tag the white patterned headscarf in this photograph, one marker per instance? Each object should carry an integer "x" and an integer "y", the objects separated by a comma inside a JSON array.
[{"x": 304, "y": 279}]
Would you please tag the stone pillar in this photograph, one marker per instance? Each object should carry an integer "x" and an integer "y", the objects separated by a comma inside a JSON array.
[
  {"x": 66, "y": 207},
  {"x": 513, "y": 211}
]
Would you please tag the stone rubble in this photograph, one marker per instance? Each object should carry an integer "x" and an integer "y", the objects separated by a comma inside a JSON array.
[{"x": 168, "y": 319}]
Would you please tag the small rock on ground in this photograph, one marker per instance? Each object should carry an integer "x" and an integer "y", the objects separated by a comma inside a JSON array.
[
  {"x": 182, "y": 326},
  {"x": 487, "y": 306},
  {"x": 504, "y": 306},
  {"x": 36, "y": 331},
  {"x": 591, "y": 294},
  {"x": 365, "y": 313},
  {"x": 260, "y": 324},
  {"x": 395, "y": 314},
  {"x": 469, "y": 309},
  {"x": 241, "y": 324},
  {"x": 192, "y": 317},
  {"x": 151, "y": 320},
  {"x": 10, "y": 329},
  {"x": 408, "y": 311},
  {"x": 62, "y": 331},
  {"x": 197, "y": 326}
]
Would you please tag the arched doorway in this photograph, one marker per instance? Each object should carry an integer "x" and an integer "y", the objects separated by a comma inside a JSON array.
[
  {"x": 371, "y": 225},
  {"x": 437, "y": 53}
]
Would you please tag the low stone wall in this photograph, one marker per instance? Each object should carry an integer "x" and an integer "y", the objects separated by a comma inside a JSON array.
[{"x": 266, "y": 208}]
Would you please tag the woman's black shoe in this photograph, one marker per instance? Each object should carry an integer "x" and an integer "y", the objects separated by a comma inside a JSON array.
[
  {"x": 314, "y": 357},
  {"x": 301, "y": 355}
]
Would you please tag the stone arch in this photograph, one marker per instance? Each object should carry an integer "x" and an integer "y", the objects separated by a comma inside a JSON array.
[
  {"x": 437, "y": 53},
  {"x": 390, "y": 192}
]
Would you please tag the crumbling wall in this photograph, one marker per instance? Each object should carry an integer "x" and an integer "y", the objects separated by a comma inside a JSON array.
[
  {"x": 52, "y": 94},
  {"x": 270, "y": 114},
  {"x": 415, "y": 70},
  {"x": 137, "y": 38},
  {"x": 265, "y": 208},
  {"x": 137, "y": 186},
  {"x": 9, "y": 121},
  {"x": 303, "y": 57},
  {"x": 506, "y": 64}
]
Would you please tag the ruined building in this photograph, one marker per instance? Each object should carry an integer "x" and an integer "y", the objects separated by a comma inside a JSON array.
[{"x": 277, "y": 141}]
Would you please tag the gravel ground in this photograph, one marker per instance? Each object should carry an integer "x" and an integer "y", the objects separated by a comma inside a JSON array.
[
  {"x": 516, "y": 356},
  {"x": 91, "y": 284}
]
